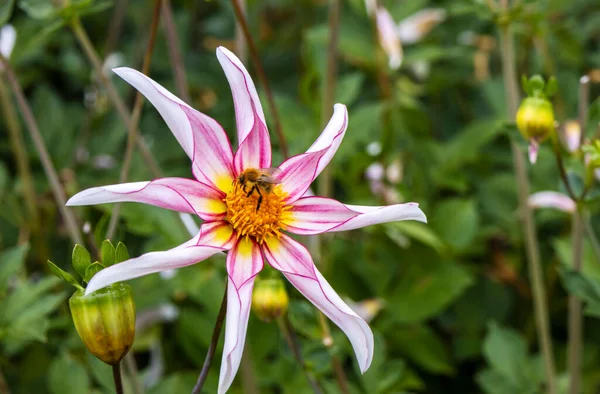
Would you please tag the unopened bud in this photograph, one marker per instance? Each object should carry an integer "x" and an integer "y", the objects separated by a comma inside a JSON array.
[
  {"x": 269, "y": 299},
  {"x": 105, "y": 321},
  {"x": 535, "y": 118}
]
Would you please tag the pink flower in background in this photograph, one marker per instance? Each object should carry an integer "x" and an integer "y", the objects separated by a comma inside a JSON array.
[
  {"x": 8, "y": 36},
  {"x": 549, "y": 199},
  {"x": 571, "y": 135},
  {"x": 388, "y": 38},
  {"x": 247, "y": 208}
]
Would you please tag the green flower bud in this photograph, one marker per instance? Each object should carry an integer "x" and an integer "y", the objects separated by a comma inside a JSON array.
[
  {"x": 535, "y": 118},
  {"x": 269, "y": 299},
  {"x": 105, "y": 321}
]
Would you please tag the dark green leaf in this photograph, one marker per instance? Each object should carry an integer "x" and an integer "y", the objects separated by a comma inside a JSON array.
[
  {"x": 11, "y": 260},
  {"x": 6, "y": 10},
  {"x": 81, "y": 259},
  {"x": 121, "y": 253},
  {"x": 64, "y": 275},
  {"x": 107, "y": 253},
  {"x": 92, "y": 270},
  {"x": 67, "y": 376}
]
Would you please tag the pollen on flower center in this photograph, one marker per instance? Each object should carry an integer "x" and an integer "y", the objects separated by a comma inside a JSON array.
[{"x": 242, "y": 213}]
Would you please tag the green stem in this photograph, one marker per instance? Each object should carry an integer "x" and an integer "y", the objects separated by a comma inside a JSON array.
[
  {"x": 132, "y": 134},
  {"x": 40, "y": 145},
  {"x": 20, "y": 152},
  {"x": 531, "y": 243},
  {"x": 575, "y": 321},
  {"x": 116, "y": 369},
  {"x": 175, "y": 53}
]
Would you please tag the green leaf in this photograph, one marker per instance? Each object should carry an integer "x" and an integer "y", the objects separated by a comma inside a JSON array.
[
  {"x": 11, "y": 260},
  {"x": 39, "y": 9},
  {"x": 92, "y": 270},
  {"x": 551, "y": 87},
  {"x": 67, "y": 376},
  {"x": 6, "y": 11},
  {"x": 423, "y": 346},
  {"x": 415, "y": 230},
  {"x": 81, "y": 259},
  {"x": 121, "y": 253},
  {"x": 23, "y": 297},
  {"x": 427, "y": 287},
  {"x": 107, "y": 253},
  {"x": 64, "y": 275},
  {"x": 348, "y": 88},
  {"x": 456, "y": 221}
]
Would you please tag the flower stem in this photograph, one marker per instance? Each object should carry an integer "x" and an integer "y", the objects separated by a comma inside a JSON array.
[
  {"x": 175, "y": 53},
  {"x": 20, "y": 152},
  {"x": 213, "y": 345},
  {"x": 135, "y": 118},
  {"x": 591, "y": 234},
  {"x": 292, "y": 340},
  {"x": 241, "y": 19},
  {"x": 116, "y": 370},
  {"x": 40, "y": 145},
  {"x": 531, "y": 243},
  {"x": 575, "y": 316}
]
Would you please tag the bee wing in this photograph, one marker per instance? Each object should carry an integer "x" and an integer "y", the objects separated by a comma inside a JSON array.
[{"x": 270, "y": 175}]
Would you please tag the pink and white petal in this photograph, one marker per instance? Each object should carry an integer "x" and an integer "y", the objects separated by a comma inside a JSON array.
[
  {"x": 177, "y": 194},
  {"x": 534, "y": 146},
  {"x": 244, "y": 262},
  {"x": 239, "y": 301},
  {"x": 200, "y": 136},
  {"x": 315, "y": 215},
  {"x": 377, "y": 215},
  {"x": 245, "y": 98},
  {"x": 149, "y": 263},
  {"x": 549, "y": 199},
  {"x": 218, "y": 233},
  {"x": 294, "y": 261},
  {"x": 388, "y": 37},
  {"x": 254, "y": 151},
  {"x": 298, "y": 172}
]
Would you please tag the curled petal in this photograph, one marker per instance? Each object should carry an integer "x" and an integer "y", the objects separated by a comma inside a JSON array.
[
  {"x": 315, "y": 215},
  {"x": 254, "y": 151},
  {"x": 248, "y": 110},
  {"x": 200, "y": 136},
  {"x": 551, "y": 199},
  {"x": 369, "y": 216},
  {"x": 388, "y": 37},
  {"x": 294, "y": 261},
  {"x": 298, "y": 172},
  {"x": 149, "y": 263},
  {"x": 178, "y": 194}
]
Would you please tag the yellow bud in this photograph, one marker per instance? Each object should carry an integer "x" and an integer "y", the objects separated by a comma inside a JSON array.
[
  {"x": 269, "y": 299},
  {"x": 105, "y": 321},
  {"x": 535, "y": 118}
]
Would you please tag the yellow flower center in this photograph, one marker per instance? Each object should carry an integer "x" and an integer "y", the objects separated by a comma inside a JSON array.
[{"x": 256, "y": 210}]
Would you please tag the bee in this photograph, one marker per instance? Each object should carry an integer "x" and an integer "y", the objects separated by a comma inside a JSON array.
[{"x": 260, "y": 180}]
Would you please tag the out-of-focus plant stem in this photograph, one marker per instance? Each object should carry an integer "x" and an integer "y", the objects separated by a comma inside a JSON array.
[
  {"x": 240, "y": 42},
  {"x": 591, "y": 235},
  {"x": 213, "y": 345},
  {"x": 113, "y": 95},
  {"x": 260, "y": 72},
  {"x": 20, "y": 152},
  {"x": 575, "y": 316},
  {"x": 40, "y": 146},
  {"x": 135, "y": 117},
  {"x": 536, "y": 277},
  {"x": 286, "y": 328},
  {"x": 175, "y": 53},
  {"x": 116, "y": 370}
]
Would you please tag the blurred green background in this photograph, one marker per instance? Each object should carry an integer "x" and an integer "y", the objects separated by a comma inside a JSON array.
[{"x": 449, "y": 302}]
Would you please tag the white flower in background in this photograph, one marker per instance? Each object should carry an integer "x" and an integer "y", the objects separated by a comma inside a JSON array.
[
  {"x": 373, "y": 148},
  {"x": 418, "y": 25},
  {"x": 571, "y": 135},
  {"x": 549, "y": 199},
  {"x": 113, "y": 60},
  {"x": 8, "y": 36},
  {"x": 388, "y": 39}
]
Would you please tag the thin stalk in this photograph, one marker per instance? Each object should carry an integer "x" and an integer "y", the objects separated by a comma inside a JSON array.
[
  {"x": 116, "y": 370},
  {"x": 213, "y": 345},
  {"x": 116, "y": 25},
  {"x": 132, "y": 371},
  {"x": 175, "y": 53},
  {"x": 591, "y": 235},
  {"x": 40, "y": 146},
  {"x": 292, "y": 340},
  {"x": 113, "y": 95},
  {"x": 561, "y": 167},
  {"x": 20, "y": 153},
  {"x": 584, "y": 99},
  {"x": 240, "y": 43},
  {"x": 575, "y": 321},
  {"x": 531, "y": 243},
  {"x": 260, "y": 72},
  {"x": 132, "y": 134}
]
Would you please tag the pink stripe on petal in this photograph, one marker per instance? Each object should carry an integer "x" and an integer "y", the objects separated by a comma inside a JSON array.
[
  {"x": 149, "y": 263},
  {"x": 178, "y": 194},
  {"x": 236, "y": 324},
  {"x": 315, "y": 215},
  {"x": 331, "y": 137},
  {"x": 294, "y": 261},
  {"x": 201, "y": 137},
  {"x": 245, "y": 98},
  {"x": 244, "y": 261},
  {"x": 377, "y": 215},
  {"x": 255, "y": 150}
]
